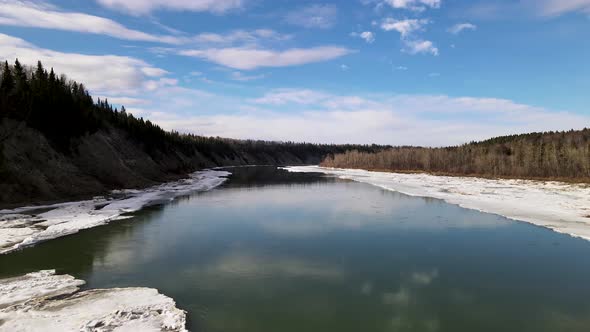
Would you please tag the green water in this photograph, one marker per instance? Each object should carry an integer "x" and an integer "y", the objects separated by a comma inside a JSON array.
[{"x": 276, "y": 252}]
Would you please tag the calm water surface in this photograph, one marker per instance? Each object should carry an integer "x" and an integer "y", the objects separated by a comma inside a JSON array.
[{"x": 276, "y": 252}]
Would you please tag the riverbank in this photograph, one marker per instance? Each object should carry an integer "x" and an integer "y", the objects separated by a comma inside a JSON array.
[
  {"x": 27, "y": 226},
  {"x": 34, "y": 169},
  {"x": 562, "y": 207}
]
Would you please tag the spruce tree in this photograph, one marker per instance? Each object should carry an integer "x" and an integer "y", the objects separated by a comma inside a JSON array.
[
  {"x": 40, "y": 74},
  {"x": 52, "y": 78},
  {"x": 20, "y": 77},
  {"x": 7, "y": 83}
]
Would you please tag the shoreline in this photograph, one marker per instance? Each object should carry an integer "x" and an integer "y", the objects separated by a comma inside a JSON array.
[
  {"x": 580, "y": 181},
  {"x": 559, "y": 206},
  {"x": 26, "y": 226}
]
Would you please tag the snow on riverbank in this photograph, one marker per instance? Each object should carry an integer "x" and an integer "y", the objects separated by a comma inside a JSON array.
[
  {"x": 29, "y": 225},
  {"x": 43, "y": 301},
  {"x": 562, "y": 207}
]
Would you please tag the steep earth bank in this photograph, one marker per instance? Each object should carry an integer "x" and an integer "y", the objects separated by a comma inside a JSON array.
[{"x": 33, "y": 170}]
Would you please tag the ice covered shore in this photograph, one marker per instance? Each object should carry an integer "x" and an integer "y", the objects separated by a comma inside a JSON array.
[
  {"x": 562, "y": 207},
  {"x": 44, "y": 301},
  {"x": 29, "y": 225}
]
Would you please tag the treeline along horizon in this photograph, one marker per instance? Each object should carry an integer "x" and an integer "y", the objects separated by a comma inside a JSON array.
[
  {"x": 63, "y": 110},
  {"x": 547, "y": 155}
]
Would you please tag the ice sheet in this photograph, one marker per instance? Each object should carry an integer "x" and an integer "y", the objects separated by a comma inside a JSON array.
[
  {"x": 26, "y": 226},
  {"x": 559, "y": 206},
  {"x": 44, "y": 301}
]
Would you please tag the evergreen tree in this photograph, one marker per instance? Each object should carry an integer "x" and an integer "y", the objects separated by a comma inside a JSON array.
[
  {"x": 20, "y": 77},
  {"x": 52, "y": 78},
  {"x": 6, "y": 89},
  {"x": 7, "y": 84},
  {"x": 40, "y": 73}
]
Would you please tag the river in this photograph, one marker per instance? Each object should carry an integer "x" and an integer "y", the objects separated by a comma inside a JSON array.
[{"x": 275, "y": 251}]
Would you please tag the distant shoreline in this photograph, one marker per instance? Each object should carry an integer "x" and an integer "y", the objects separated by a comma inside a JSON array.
[
  {"x": 481, "y": 176},
  {"x": 559, "y": 206}
]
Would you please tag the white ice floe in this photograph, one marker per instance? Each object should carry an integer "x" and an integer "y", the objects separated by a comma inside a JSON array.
[
  {"x": 26, "y": 226},
  {"x": 559, "y": 206},
  {"x": 43, "y": 301}
]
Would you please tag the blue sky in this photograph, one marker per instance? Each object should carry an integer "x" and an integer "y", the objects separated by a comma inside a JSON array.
[{"x": 422, "y": 72}]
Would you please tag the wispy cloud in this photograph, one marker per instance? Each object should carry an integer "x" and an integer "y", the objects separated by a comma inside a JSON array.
[
  {"x": 42, "y": 15},
  {"x": 559, "y": 7},
  {"x": 458, "y": 28},
  {"x": 247, "y": 37},
  {"x": 252, "y": 58},
  {"x": 142, "y": 7},
  {"x": 367, "y": 36},
  {"x": 321, "y": 16},
  {"x": 239, "y": 76},
  {"x": 291, "y": 96},
  {"x": 543, "y": 9}
]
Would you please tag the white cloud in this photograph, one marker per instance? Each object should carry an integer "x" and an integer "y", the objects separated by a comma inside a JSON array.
[
  {"x": 247, "y": 37},
  {"x": 153, "y": 72},
  {"x": 420, "y": 47},
  {"x": 314, "y": 16},
  {"x": 288, "y": 96},
  {"x": 153, "y": 85},
  {"x": 401, "y": 68},
  {"x": 407, "y": 28},
  {"x": 239, "y": 76},
  {"x": 404, "y": 27},
  {"x": 517, "y": 9},
  {"x": 415, "y": 5},
  {"x": 458, "y": 28},
  {"x": 560, "y": 7},
  {"x": 43, "y": 15},
  {"x": 142, "y": 7},
  {"x": 251, "y": 58},
  {"x": 367, "y": 36},
  {"x": 103, "y": 74},
  {"x": 316, "y": 116}
]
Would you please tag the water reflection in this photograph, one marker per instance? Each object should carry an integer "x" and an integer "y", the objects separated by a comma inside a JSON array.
[{"x": 264, "y": 176}]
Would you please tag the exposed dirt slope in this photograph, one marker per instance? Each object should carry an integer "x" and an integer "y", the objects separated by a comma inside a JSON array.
[{"x": 32, "y": 170}]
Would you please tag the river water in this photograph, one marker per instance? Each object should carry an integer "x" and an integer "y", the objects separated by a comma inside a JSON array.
[{"x": 272, "y": 251}]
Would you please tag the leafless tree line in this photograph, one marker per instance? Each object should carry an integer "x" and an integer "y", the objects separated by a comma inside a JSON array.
[{"x": 550, "y": 155}]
